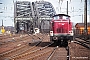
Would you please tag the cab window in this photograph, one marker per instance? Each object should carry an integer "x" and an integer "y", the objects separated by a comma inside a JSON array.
[
  {"x": 56, "y": 17},
  {"x": 65, "y": 17}
]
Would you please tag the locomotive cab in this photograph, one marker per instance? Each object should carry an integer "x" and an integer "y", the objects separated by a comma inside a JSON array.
[{"x": 61, "y": 28}]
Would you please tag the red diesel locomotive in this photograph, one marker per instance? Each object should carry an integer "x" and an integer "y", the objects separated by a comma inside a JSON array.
[{"x": 61, "y": 28}]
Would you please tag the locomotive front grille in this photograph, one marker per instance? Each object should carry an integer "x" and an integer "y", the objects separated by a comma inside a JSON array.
[{"x": 61, "y": 30}]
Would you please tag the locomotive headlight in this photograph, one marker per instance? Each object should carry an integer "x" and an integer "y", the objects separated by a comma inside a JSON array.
[
  {"x": 71, "y": 33},
  {"x": 51, "y": 33}
]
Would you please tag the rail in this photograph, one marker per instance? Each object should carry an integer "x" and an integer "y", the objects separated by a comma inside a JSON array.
[
  {"x": 51, "y": 54},
  {"x": 85, "y": 43},
  {"x": 62, "y": 55},
  {"x": 25, "y": 54},
  {"x": 68, "y": 52},
  {"x": 18, "y": 49}
]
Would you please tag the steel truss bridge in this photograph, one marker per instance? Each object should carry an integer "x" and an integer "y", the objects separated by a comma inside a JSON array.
[{"x": 30, "y": 15}]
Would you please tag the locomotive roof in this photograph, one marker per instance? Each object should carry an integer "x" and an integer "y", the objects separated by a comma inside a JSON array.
[{"x": 61, "y": 15}]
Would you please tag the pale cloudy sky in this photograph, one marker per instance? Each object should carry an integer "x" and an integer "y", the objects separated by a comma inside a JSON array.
[{"x": 76, "y": 10}]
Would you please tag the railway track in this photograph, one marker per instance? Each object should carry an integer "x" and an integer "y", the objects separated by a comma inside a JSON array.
[
  {"x": 18, "y": 39},
  {"x": 85, "y": 43},
  {"x": 79, "y": 52},
  {"x": 33, "y": 53},
  {"x": 18, "y": 54},
  {"x": 22, "y": 49},
  {"x": 14, "y": 45},
  {"x": 2, "y": 37},
  {"x": 11, "y": 39},
  {"x": 15, "y": 52},
  {"x": 37, "y": 36},
  {"x": 14, "y": 40},
  {"x": 36, "y": 51},
  {"x": 60, "y": 53}
]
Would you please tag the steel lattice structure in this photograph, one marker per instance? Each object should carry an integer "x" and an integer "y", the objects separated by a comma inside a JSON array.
[{"x": 32, "y": 15}]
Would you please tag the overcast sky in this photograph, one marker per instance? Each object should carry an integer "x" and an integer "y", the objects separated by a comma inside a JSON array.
[{"x": 76, "y": 10}]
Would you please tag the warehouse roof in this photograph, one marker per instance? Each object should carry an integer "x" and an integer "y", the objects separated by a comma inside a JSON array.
[{"x": 81, "y": 25}]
